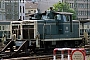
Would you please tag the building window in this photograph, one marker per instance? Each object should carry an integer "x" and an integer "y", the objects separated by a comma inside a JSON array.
[
  {"x": 0, "y": 4},
  {"x": 20, "y": 9},
  {"x": 23, "y": 1},
  {"x": 29, "y": 11},
  {"x": 23, "y": 17},
  {"x": 23, "y": 9},
  {"x": 34, "y": 11},
  {"x": 89, "y": 13},
  {"x": 0, "y": 27},
  {"x": 20, "y": 17},
  {"x": 20, "y": 0}
]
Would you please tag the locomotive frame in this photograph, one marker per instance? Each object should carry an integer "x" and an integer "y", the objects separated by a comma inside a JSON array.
[{"x": 45, "y": 33}]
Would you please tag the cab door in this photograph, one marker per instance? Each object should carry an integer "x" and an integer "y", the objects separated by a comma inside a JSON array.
[{"x": 28, "y": 31}]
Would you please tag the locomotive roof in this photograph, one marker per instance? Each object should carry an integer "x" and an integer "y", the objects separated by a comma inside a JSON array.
[{"x": 66, "y": 13}]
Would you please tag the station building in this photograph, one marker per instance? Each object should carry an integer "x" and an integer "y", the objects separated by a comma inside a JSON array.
[{"x": 12, "y": 9}]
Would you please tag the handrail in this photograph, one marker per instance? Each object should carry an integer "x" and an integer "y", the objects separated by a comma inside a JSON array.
[
  {"x": 23, "y": 47},
  {"x": 6, "y": 46}
]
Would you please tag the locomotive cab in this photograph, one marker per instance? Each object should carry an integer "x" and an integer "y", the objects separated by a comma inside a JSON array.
[{"x": 56, "y": 29}]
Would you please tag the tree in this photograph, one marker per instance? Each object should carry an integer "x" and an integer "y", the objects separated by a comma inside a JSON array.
[{"x": 64, "y": 7}]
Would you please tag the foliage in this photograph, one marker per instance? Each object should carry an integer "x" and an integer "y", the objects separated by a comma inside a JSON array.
[{"x": 64, "y": 7}]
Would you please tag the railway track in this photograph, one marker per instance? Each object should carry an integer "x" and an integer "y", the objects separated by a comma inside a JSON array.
[{"x": 46, "y": 57}]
